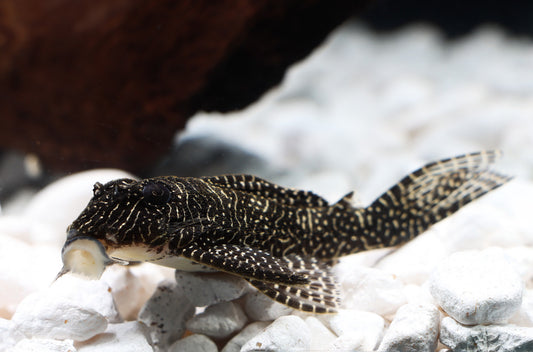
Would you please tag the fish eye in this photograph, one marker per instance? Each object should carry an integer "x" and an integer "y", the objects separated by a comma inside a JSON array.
[
  {"x": 97, "y": 189},
  {"x": 156, "y": 193}
]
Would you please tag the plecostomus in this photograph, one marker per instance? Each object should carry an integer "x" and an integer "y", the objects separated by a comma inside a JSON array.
[{"x": 280, "y": 240}]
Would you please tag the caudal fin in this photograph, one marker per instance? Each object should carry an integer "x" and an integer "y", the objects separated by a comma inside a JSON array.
[{"x": 429, "y": 195}]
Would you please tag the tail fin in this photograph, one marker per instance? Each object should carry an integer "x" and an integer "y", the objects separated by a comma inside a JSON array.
[{"x": 429, "y": 195}]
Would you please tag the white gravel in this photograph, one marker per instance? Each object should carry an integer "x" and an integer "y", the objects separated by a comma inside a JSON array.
[
  {"x": 477, "y": 287},
  {"x": 219, "y": 320},
  {"x": 361, "y": 112},
  {"x": 481, "y": 338},
  {"x": 415, "y": 328}
]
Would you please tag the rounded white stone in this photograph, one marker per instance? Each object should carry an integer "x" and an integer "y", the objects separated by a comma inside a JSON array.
[
  {"x": 204, "y": 289},
  {"x": 44, "y": 345},
  {"x": 130, "y": 336},
  {"x": 43, "y": 318},
  {"x": 260, "y": 307},
  {"x": 321, "y": 336},
  {"x": 477, "y": 287},
  {"x": 288, "y": 333},
  {"x": 364, "y": 328},
  {"x": 165, "y": 314},
  {"x": 24, "y": 269},
  {"x": 524, "y": 316},
  {"x": 219, "y": 320},
  {"x": 480, "y": 338},
  {"x": 131, "y": 286},
  {"x": 369, "y": 289},
  {"x": 93, "y": 294},
  {"x": 415, "y": 328},
  {"x": 251, "y": 330},
  {"x": 71, "y": 308},
  {"x": 194, "y": 343},
  {"x": 8, "y": 335}
]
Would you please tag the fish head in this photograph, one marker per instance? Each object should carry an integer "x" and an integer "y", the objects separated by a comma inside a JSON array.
[{"x": 123, "y": 213}]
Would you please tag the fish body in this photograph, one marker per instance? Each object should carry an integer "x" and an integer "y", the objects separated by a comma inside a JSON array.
[{"x": 279, "y": 239}]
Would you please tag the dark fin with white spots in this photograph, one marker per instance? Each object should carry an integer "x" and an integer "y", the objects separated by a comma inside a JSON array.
[
  {"x": 268, "y": 190},
  {"x": 246, "y": 262},
  {"x": 346, "y": 201},
  {"x": 319, "y": 295},
  {"x": 423, "y": 198}
]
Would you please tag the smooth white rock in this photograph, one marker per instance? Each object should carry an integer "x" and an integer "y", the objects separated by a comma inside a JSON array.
[
  {"x": 263, "y": 308},
  {"x": 524, "y": 315},
  {"x": 194, "y": 343},
  {"x": 131, "y": 336},
  {"x": 205, "y": 289},
  {"x": 131, "y": 286},
  {"x": 44, "y": 345},
  {"x": 364, "y": 328},
  {"x": 348, "y": 342},
  {"x": 55, "y": 207},
  {"x": 288, "y": 333},
  {"x": 413, "y": 262},
  {"x": 418, "y": 294},
  {"x": 246, "y": 334},
  {"x": 8, "y": 335},
  {"x": 219, "y": 320},
  {"x": 415, "y": 328},
  {"x": 94, "y": 294},
  {"x": 369, "y": 289},
  {"x": 71, "y": 308},
  {"x": 166, "y": 313},
  {"x": 25, "y": 269},
  {"x": 522, "y": 258},
  {"x": 481, "y": 338},
  {"x": 477, "y": 287},
  {"x": 321, "y": 336}
]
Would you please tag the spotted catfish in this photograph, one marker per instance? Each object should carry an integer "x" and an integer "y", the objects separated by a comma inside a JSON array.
[{"x": 278, "y": 239}]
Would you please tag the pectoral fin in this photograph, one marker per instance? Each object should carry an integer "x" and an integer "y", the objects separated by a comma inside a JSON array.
[
  {"x": 248, "y": 263},
  {"x": 319, "y": 295}
]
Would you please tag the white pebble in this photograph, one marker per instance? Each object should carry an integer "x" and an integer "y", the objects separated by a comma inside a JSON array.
[
  {"x": 348, "y": 342},
  {"x": 481, "y": 338},
  {"x": 94, "y": 294},
  {"x": 418, "y": 294},
  {"x": 131, "y": 336},
  {"x": 369, "y": 289},
  {"x": 415, "y": 328},
  {"x": 477, "y": 287},
  {"x": 414, "y": 262},
  {"x": 524, "y": 316},
  {"x": 26, "y": 269},
  {"x": 44, "y": 345},
  {"x": 194, "y": 343},
  {"x": 165, "y": 314},
  {"x": 131, "y": 286},
  {"x": 8, "y": 335},
  {"x": 71, "y": 308},
  {"x": 288, "y": 333},
  {"x": 251, "y": 330},
  {"x": 260, "y": 307},
  {"x": 205, "y": 289},
  {"x": 321, "y": 336},
  {"x": 365, "y": 328},
  {"x": 219, "y": 320}
]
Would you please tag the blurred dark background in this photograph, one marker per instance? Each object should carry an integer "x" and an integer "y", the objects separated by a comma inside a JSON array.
[{"x": 98, "y": 83}]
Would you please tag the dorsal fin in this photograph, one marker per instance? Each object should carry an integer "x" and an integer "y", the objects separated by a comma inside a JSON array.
[
  {"x": 260, "y": 187},
  {"x": 346, "y": 201}
]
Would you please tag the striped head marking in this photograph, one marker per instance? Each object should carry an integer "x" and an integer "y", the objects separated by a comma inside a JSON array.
[{"x": 129, "y": 212}]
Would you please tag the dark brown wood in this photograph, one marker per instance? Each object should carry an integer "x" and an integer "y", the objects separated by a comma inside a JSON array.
[{"x": 99, "y": 83}]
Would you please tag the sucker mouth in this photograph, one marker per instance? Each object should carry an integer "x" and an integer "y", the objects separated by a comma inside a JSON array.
[{"x": 83, "y": 255}]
